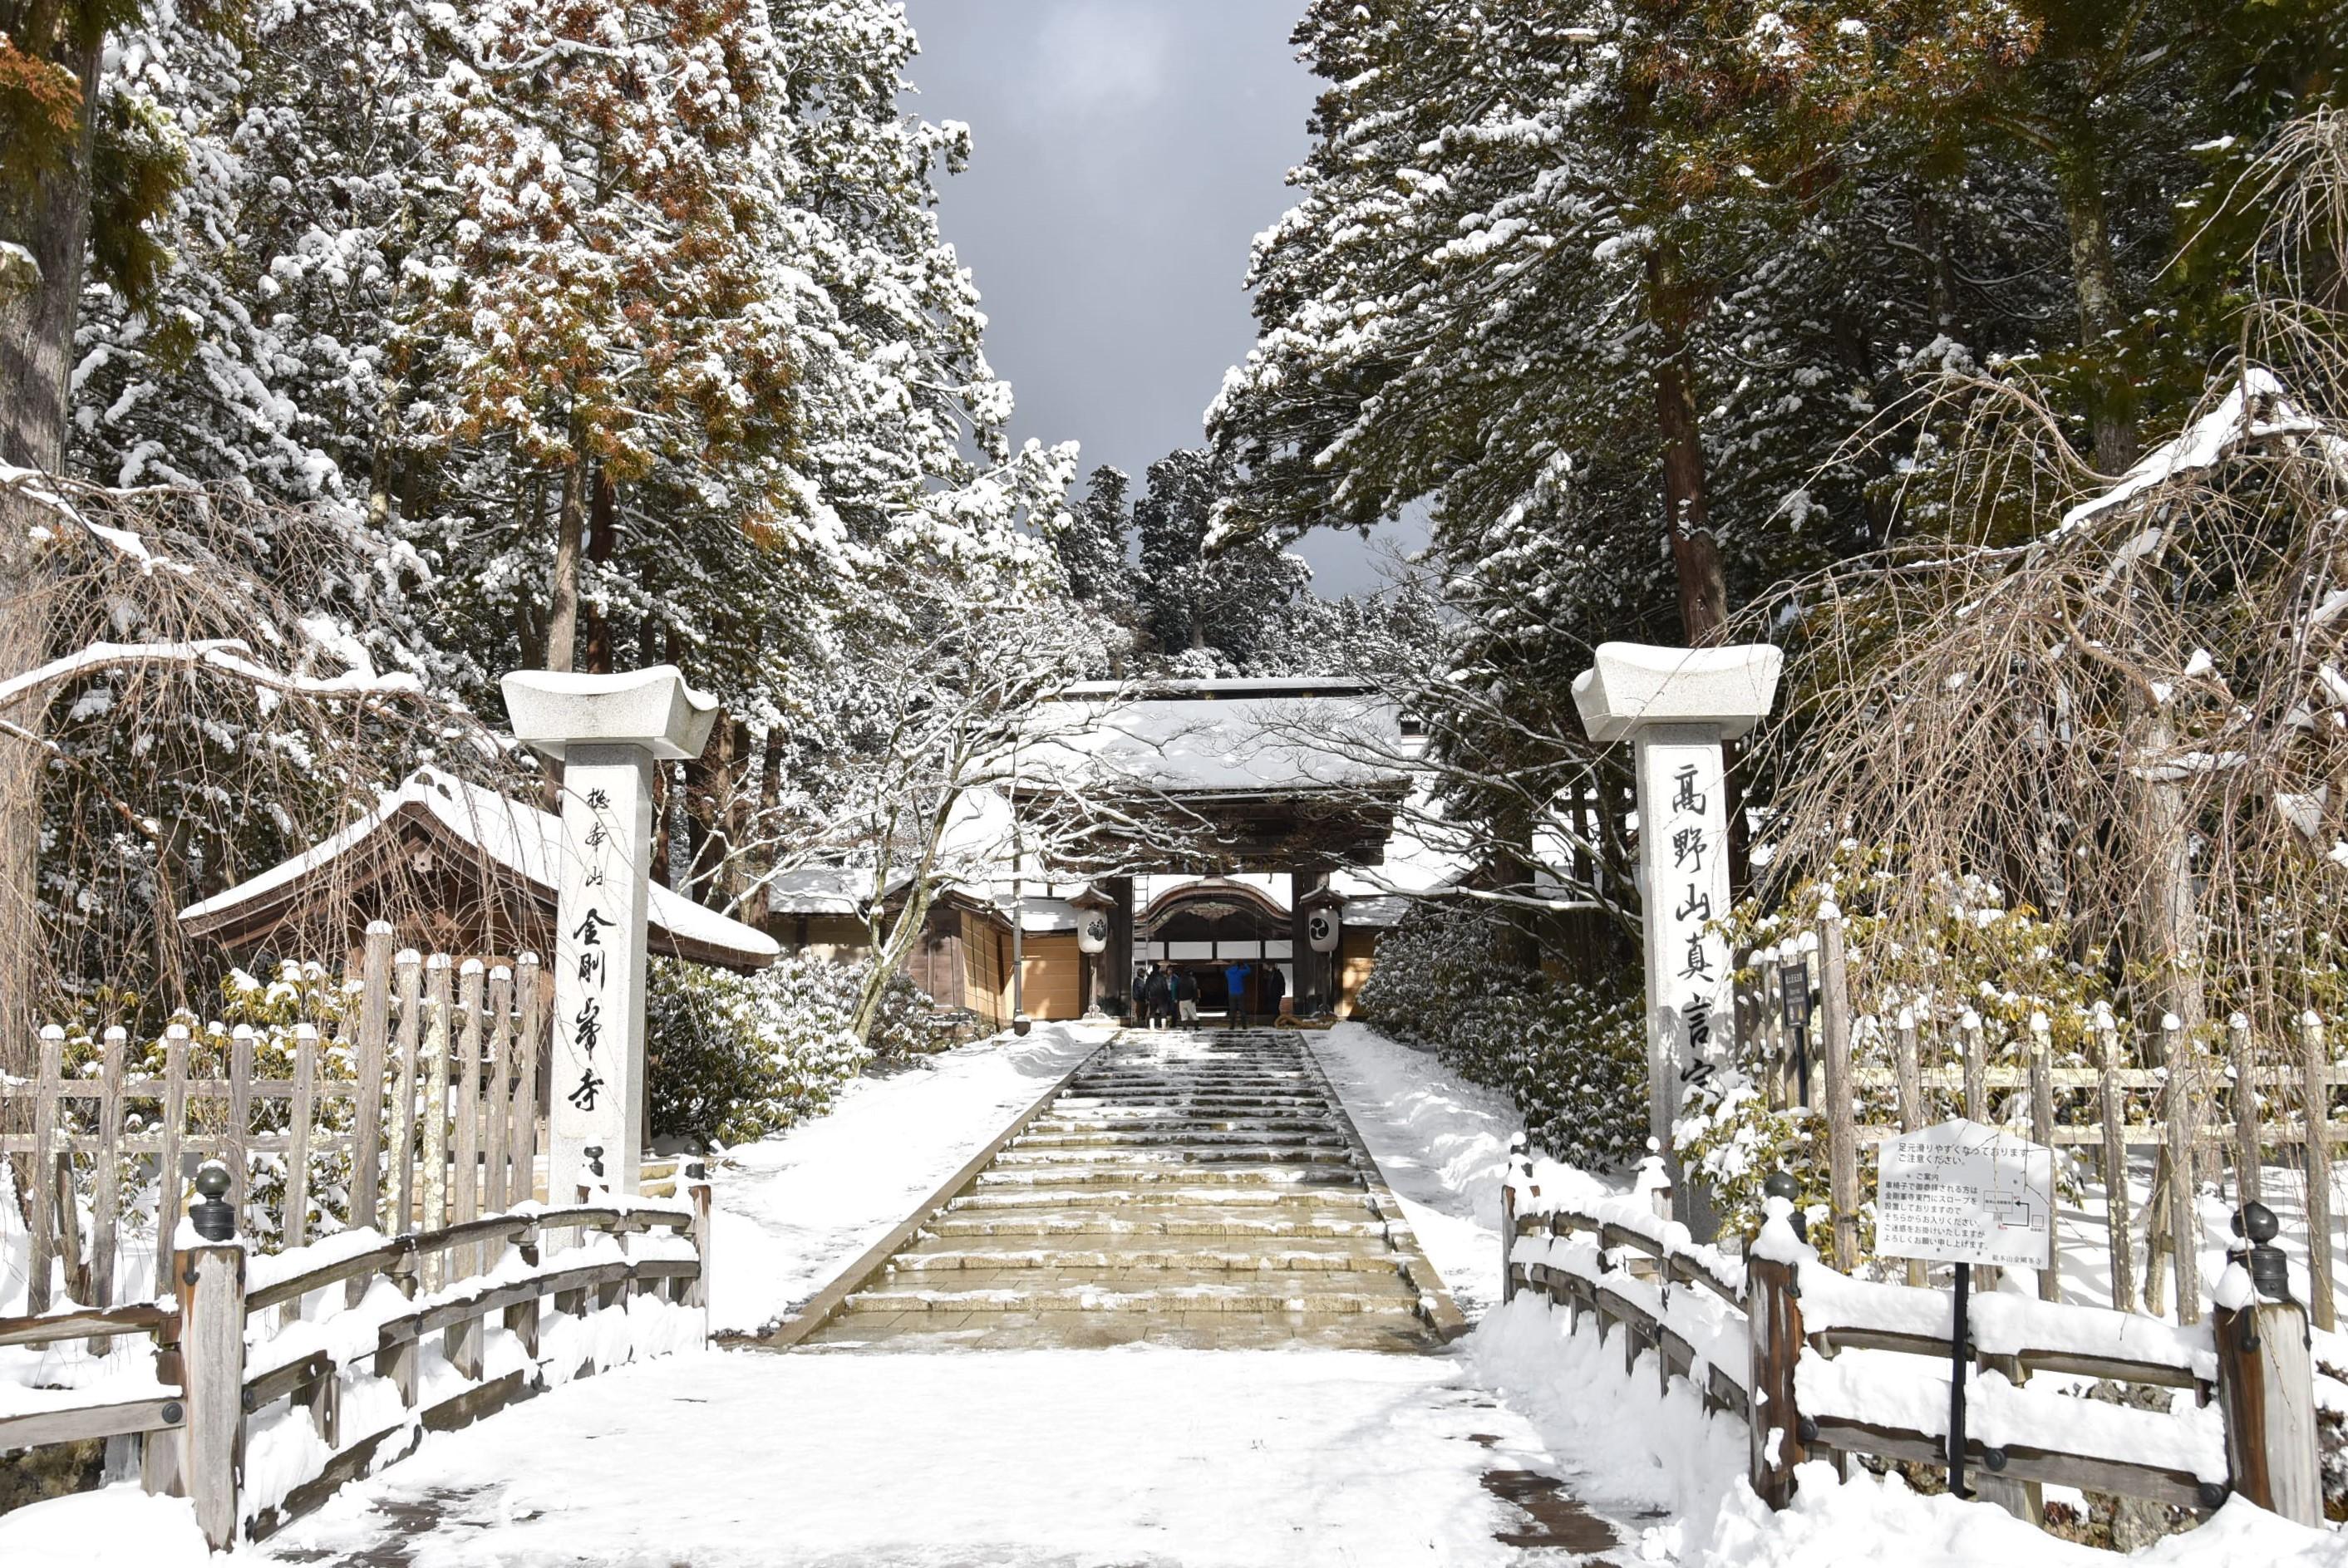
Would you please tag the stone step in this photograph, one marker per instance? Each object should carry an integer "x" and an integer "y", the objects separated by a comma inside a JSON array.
[
  {"x": 854, "y": 1333},
  {"x": 1207, "y": 1255},
  {"x": 1131, "y": 1158},
  {"x": 1062, "y": 1114},
  {"x": 1353, "y": 1199},
  {"x": 1116, "y": 1295},
  {"x": 1206, "y": 1223},
  {"x": 1203, "y": 1105},
  {"x": 1165, "y": 1138},
  {"x": 999, "y": 1176}
]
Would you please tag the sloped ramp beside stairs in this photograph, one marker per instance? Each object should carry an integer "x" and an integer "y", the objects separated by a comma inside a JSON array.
[{"x": 1193, "y": 1188}]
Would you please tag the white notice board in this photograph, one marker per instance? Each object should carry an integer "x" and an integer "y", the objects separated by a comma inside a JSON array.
[{"x": 1964, "y": 1193}]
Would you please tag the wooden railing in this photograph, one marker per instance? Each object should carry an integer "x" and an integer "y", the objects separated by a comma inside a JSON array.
[
  {"x": 1838, "y": 1368},
  {"x": 354, "y": 1375}
]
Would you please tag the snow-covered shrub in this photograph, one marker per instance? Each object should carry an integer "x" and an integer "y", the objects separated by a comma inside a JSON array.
[
  {"x": 737, "y": 1057},
  {"x": 1980, "y": 960},
  {"x": 1573, "y": 1056}
]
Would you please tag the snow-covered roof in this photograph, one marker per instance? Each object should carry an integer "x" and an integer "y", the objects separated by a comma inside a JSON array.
[
  {"x": 519, "y": 840},
  {"x": 1222, "y": 737},
  {"x": 819, "y": 890}
]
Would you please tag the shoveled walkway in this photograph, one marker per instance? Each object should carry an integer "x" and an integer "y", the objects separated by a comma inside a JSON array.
[{"x": 1197, "y": 1188}]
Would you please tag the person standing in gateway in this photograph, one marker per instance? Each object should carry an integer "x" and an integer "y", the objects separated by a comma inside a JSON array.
[
  {"x": 1186, "y": 998},
  {"x": 1237, "y": 978}
]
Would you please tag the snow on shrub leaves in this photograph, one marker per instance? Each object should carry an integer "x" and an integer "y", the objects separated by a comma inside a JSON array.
[
  {"x": 737, "y": 1057},
  {"x": 1573, "y": 1057}
]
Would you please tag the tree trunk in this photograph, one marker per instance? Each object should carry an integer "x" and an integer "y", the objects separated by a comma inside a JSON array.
[
  {"x": 51, "y": 222},
  {"x": 1695, "y": 555},
  {"x": 562, "y": 591},
  {"x": 2095, "y": 277},
  {"x": 602, "y": 539}
]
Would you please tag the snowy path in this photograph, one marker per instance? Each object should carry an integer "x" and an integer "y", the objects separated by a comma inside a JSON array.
[{"x": 1142, "y": 1456}]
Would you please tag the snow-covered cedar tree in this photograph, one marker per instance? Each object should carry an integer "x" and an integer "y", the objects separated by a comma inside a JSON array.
[
  {"x": 1091, "y": 541},
  {"x": 1229, "y": 606},
  {"x": 1573, "y": 1057},
  {"x": 731, "y": 1058}
]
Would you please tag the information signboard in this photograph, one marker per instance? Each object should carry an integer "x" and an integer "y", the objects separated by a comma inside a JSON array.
[{"x": 1963, "y": 1193}]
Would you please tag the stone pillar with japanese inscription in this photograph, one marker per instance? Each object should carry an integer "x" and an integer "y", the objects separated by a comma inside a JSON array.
[
  {"x": 608, "y": 731},
  {"x": 1676, "y": 706}
]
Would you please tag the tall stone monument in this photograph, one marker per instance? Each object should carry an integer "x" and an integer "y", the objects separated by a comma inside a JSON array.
[
  {"x": 607, "y": 731},
  {"x": 1676, "y": 706}
]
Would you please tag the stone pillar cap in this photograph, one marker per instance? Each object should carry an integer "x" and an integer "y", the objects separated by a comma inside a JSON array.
[
  {"x": 651, "y": 708},
  {"x": 1634, "y": 684}
]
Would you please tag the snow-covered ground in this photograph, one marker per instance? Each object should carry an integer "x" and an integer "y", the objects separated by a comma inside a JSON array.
[
  {"x": 1442, "y": 1143},
  {"x": 792, "y": 1211},
  {"x": 1139, "y": 1455}
]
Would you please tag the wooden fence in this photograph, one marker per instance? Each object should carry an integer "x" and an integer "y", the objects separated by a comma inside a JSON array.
[
  {"x": 2224, "y": 1099},
  {"x": 225, "y": 1367},
  {"x": 439, "y": 1062},
  {"x": 1822, "y": 1365}
]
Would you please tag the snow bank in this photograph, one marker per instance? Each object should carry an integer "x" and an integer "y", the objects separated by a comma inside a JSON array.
[
  {"x": 1442, "y": 1143},
  {"x": 114, "y": 1527}
]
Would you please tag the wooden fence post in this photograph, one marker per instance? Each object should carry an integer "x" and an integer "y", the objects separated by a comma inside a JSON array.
[
  {"x": 2184, "y": 1227},
  {"x": 529, "y": 985},
  {"x": 2315, "y": 1112},
  {"x": 1968, "y": 1031},
  {"x": 1842, "y": 1131},
  {"x": 170, "y": 1188},
  {"x": 499, "y": 1123},
  {"x": 1912, "y": 1099},
  {"x": 211, "y": 1358},
  {"x": 697, "y": 1173},
  {"x": 2247, "y": 1183},
  {"x": 366, "y": 1123},
  {"x": 1508, "y": 1229},
  {"x": 2114, "y": 1109},
  {"x": 40, "y": 1261},
  {"x": 1773, "y": 1321},
  {"x": 237, "y": 1141},
  {"x": 465, "y": 1194},
  {"x": 106, "y": 1190},
  {"x": 408, "y": 967},
  {"x": 432, "y": 1077},
  {"x": 2041, "y": 1131},
  {"x": 304, "y": 1106},
  {"x": 2266, "y": 1382}
]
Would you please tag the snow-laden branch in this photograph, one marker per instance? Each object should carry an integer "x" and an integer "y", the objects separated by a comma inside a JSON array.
[{"x": 227, "y": 655}]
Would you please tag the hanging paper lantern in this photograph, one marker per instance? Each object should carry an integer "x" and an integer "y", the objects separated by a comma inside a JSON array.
[
  {"x": 1320, "y": 930},
  {"x": 1092, "y": 932}
]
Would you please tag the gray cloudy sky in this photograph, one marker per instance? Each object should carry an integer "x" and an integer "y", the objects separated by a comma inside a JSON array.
[{"x": 1126, "y": 152}]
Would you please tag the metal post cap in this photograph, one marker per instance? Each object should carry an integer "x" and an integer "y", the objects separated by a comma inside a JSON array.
[{"x": 211, "y": 1218}]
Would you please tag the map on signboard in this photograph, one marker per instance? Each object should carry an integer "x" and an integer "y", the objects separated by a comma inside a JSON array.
[{"x": 1964, "y": 1193}]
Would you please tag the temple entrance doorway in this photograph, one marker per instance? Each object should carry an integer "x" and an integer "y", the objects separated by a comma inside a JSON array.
[{"x": 1219, "y": 933}]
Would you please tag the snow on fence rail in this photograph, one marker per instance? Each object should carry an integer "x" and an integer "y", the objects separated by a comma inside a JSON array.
[
  {"x": 267, "y": 1389},
  {"x": 2224, "y": 1099},
  {"x": 1823, "y": 1366},
  {"x": 356, "y": 1107}
]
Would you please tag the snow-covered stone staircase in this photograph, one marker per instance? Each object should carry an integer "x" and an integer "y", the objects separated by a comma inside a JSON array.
[{"x": 1194, "y": 1187}]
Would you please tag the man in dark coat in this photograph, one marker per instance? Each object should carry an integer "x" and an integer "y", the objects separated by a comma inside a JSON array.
[
  {"x": 1186, "y": 998},
  {"x": 1160, "y": 990}
]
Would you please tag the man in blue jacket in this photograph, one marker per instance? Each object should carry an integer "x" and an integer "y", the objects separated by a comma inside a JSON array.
[{"x": 1237, "y": 977}]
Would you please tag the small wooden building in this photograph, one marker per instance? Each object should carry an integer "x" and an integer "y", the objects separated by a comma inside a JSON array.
[{"x": 455, "y": 868}]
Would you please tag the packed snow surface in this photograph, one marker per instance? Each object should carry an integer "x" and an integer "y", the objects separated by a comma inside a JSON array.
[{"x": 1140, "y": 1455}]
